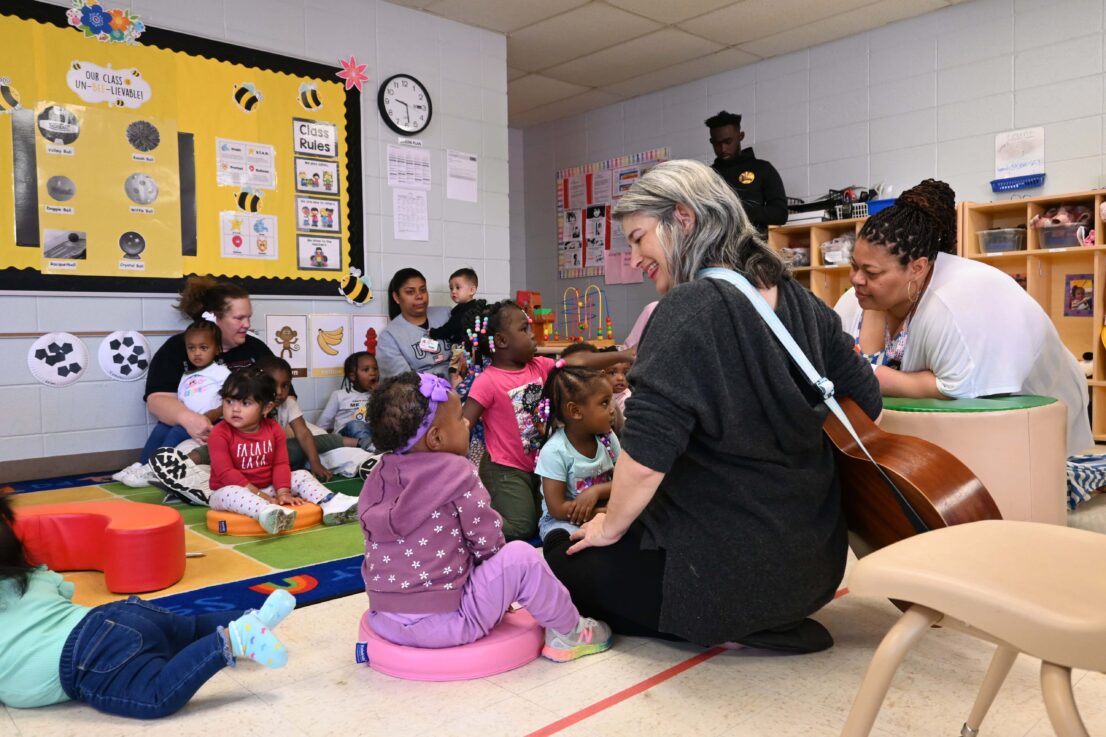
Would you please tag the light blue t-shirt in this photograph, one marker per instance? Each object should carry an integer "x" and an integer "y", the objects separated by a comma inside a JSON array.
[
  {"x": 33, "y": 630},
  {"x": 560, "y": 461}
]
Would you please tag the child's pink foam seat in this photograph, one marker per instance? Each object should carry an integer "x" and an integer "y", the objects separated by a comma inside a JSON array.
[
  {"x": 514, "y": 642},
  {"x": 139, "y": 547}
]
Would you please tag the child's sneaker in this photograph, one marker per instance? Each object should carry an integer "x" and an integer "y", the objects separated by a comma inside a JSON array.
[
  {"x": 339, "y": 508},
  {"x": 177, "y": 473},
  {"x": 367, "y": 467},
  {"x": 589, "y": 637},
  {"x": 275, "y": 519},
  {"x": 136, "y": 475}
]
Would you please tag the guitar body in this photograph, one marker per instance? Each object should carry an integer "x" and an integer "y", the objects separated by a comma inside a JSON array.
[{"x": 940, "y": 488}]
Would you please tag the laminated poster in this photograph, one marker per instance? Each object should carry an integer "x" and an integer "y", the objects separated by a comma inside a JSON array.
[
  {"x": 329, "y": 342},
  {"x": 287, "y": 338}
]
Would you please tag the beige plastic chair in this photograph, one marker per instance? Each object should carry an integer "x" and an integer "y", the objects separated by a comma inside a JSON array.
[{"x": 1027, "y": 587}]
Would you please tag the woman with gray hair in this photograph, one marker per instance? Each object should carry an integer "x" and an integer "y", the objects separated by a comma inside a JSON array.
[{"x": 724, "y": 522}]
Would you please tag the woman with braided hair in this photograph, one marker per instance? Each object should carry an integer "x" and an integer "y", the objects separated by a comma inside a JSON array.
[{"x": 933, "y": 324}]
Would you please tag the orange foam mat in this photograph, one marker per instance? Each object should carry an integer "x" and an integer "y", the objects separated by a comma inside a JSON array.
[
  {"x": 61, "y": 496},
  {"x": 239, "y": 525}
]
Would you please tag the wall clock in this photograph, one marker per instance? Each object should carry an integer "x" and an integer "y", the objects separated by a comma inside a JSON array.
[{"x": 404, "y": 104}]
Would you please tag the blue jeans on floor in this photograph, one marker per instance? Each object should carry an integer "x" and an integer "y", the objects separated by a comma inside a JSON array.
[
  {"x": 135, "y": 659},
  {"x": 161, "y": 436},
  {"x": 359, "y": 429}
]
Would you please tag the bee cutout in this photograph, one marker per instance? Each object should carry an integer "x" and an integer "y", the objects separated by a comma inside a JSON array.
[
  {"x": 9, "y": 97},
  {"x": 355, "y": 288},
  {"x": 309, "y": 97},
  {"x": 247, "y": 96},
  {"x": 248, "y": 200}
]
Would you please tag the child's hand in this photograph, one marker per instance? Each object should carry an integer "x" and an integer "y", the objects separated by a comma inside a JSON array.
[
  {"x": 284, "y": 497},
  {"x": 322, "y": 473},
  {"x": 583, "y": 506}
]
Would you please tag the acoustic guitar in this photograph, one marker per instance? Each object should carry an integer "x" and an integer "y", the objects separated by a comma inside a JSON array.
[{"x": 940, "y": 488}]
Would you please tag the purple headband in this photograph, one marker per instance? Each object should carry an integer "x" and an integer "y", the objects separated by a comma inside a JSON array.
[{"x": 436, "y": 389}]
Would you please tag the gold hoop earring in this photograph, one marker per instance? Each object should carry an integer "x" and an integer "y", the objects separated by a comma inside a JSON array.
[{"x": 917, "y": 292}]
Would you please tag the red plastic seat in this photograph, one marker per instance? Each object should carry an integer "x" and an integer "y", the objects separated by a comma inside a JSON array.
[{"x": 139, "y": 547}]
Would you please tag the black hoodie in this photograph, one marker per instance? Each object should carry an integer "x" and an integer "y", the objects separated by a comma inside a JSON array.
[{"x": 758, "y": 186}]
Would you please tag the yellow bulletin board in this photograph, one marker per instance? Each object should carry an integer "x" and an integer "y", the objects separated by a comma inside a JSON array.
[{"x": 133, "y": 165}]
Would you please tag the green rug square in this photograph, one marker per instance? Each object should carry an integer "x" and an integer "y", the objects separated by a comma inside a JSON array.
[{"x": 314, "y": 545}]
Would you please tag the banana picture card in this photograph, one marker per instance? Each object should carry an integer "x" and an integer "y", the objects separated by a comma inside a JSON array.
[
  {"x": 330, "y": 342},
  {"x": 287, "y": 338}
]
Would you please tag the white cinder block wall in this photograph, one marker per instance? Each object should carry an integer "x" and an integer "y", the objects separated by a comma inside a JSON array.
[
  {"x": 465, "y": 70},
  {"x": 920, "y": 98}
]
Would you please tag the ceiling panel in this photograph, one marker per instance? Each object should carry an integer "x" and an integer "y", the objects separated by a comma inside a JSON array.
[
  {"x": 589, "y": 100},
  {"x": 839, "y": 26},
  {"x": 513, "y": 74},
  {"x": 632, "y": 58},
  {"x": 755, "y": 19},
  {"x": 574, "y": 34},
  {"x": 418, "y": 4},
  {"x": 667, "y": 11},
  {"x": 534, "y": 90},
  {"x": 704, "y": 66},
  {"x": 502, "y": 15}
]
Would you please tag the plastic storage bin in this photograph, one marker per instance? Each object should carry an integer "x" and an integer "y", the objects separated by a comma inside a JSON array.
[
  {"x": 875, "y": 206},
  {"x": 1067, "y": 235},
  {"x": 999, "y": 240}
]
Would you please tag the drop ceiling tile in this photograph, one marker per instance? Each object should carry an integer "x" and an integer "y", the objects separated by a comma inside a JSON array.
[
  {"x": 629, "y": 59},
  {"x": 563, "y": 108},
  {"x": 534, "y": 90},
  {"x": 417, "y": 4},
  {"x": 574, "y": 34},
  {"x": 704, "y": 66},
  {"x": 501, "y": 15},
  {"x": 513, "y": 74},
  {"x": 838, "y": 26},
  {"x": 755, "y": 19},
  {"x": 666, "y": 11}
]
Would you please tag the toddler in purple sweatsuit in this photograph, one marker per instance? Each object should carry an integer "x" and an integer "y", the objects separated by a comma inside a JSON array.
[{"x": 437, "y": 569}]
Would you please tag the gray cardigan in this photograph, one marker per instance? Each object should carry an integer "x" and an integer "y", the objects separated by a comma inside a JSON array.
[
  {"x": 397, "y": 346},
  {"x": 749, "y": 512}
]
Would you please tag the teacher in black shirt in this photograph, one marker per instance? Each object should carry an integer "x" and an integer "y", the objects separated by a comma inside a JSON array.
[
  {"x": 757, "y": 183},
  {"x": 724, "y": 522}
]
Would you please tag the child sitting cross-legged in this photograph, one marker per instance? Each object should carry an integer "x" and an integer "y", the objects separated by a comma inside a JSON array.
[
  {"x": 576, "y": 464},
  {"x": 437, "y": 569},
  {"x": 249, "y": 461},
  {"x": 345, "y": 410},
  {"x": 130, "y": 658}
]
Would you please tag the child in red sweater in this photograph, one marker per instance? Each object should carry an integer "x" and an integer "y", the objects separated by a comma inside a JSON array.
[{"x": 250, "y": 474}]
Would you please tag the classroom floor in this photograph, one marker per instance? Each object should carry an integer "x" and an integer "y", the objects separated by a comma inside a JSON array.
[{"x": 639, "y": 687}]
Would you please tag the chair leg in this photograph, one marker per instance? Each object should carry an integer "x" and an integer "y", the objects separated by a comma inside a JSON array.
[
  {"x": 1060, "y": 701},
  {"x": 1001, "y": 663},
  {"x": 890, "y": 653}
]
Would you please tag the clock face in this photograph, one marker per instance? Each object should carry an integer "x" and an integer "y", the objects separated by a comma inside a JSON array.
[{"x": 404, "y": 104}]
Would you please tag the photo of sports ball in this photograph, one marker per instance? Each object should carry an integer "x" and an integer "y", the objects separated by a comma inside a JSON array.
[
  {"x": 140, "y": 188},
  {"x": 143, "y": 136},
  {"x": 58, "y": 125},
  {"x": 61, "y": 188},
  {"x": 65, "y": 244},
  {"x": 132, "y": 244}
]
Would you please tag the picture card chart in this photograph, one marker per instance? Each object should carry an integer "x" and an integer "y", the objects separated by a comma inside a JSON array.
[{"x": 586, "y": 234}]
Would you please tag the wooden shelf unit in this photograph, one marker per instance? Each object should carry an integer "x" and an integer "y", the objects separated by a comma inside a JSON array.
[
  {"x": 1045, "y": 270},
  {"x": 827, "y": 281}
]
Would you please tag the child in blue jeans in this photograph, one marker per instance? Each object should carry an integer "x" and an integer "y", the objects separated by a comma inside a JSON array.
[
  {"x": 129, "y": 658},
  {"x": 437, "y": 569}
]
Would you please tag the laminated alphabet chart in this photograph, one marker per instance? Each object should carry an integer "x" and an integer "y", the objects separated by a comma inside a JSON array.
[
  {"x": 585, "y": 195},
  {"x": 168, "y": 156}
]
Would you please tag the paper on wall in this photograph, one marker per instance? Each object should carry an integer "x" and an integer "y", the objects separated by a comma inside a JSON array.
[
  {"x": 410, "y": 215},
  {"x": 329, "y": 338},
  {"x": 599, "y": 187},
  {"x": 461, "y": 176},
  {"x": 287, "y": 337},
  {"x": 1020, "y": 153},
  {"x": 408, "y": 167},
  {"x": 243, "y": 163}
]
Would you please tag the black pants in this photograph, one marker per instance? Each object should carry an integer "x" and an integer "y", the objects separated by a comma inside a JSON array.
[{"x": 620, "y": 584}]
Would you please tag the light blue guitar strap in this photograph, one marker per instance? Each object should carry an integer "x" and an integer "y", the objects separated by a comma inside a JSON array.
[{"x": 819, "y": 382}]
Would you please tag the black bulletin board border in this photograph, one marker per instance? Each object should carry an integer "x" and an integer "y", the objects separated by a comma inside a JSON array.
[{"x": 12, "y": 279}]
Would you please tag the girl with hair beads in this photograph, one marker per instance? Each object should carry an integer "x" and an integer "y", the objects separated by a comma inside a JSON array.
[
  {"x": 130, "y": 658},
  {"x": 199, "y": 388},
  {"x": 249, "y": 461},
  {"x": 345, "y": 410},
  {"x": 576, "y": 463},
  {"x": 437, "y": 568},
  {"x": 505, "y": 395}
]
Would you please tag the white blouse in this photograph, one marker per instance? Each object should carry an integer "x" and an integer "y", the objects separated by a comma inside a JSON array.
[{"x": 981, "y": 334}]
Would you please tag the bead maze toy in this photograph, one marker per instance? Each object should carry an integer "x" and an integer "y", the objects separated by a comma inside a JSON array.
[{"x": 583, "y": 319}]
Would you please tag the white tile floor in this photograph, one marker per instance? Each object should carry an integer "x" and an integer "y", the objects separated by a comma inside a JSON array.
[{"x": 738, "y": 694}]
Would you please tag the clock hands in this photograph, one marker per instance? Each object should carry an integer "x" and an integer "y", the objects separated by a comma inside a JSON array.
[{"x": 406, "y": 110}]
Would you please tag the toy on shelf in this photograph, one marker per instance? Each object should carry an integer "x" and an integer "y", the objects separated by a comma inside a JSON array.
[
  {"x": 583, "y": 319},
  {"x": 542, "y": 320}
]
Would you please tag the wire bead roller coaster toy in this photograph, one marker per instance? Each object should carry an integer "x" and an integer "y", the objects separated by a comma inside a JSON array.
[{"x": 583, "y": 319}]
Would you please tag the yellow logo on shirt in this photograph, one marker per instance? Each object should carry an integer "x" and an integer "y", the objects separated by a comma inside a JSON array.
[{"x": 746, "y": 177}]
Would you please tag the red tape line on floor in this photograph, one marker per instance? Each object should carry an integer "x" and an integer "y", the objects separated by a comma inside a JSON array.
[{"x": 626, "y": 693}]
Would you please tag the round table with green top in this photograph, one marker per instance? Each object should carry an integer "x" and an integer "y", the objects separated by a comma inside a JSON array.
[{"x": 1016, "y": 445}]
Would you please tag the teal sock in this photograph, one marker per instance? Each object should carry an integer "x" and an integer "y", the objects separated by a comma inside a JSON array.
[
  {"x": 277, "y": 606},
  {"x": 251, "y": 638}
]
